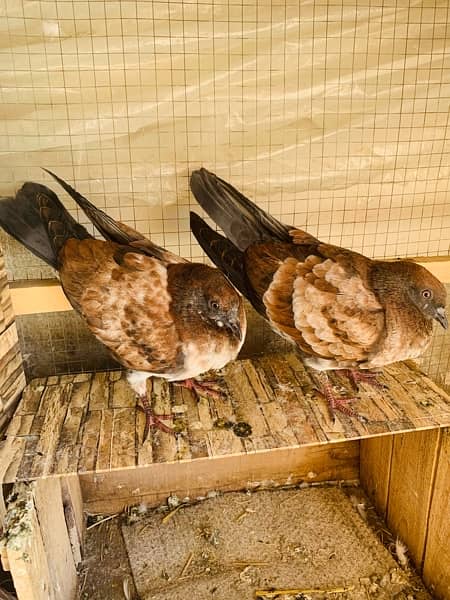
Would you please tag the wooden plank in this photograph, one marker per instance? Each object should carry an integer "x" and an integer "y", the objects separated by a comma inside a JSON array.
[
  {"x": 180, "y": 423},
  {"x": 111, "y": 492},
  {"x": 68, "y": 448},
  {"x": 436, "y": 571},
  {"x": 25, "y": 549},
  {"x": 6, "y": 307},
  {"x": 194, "y": 429},
  {"x": 104, "y": 449},
  {"x": 90, "y": 435},
  {"x": 121, "y": 395},
  {"x": 12, "y": 377},
  {"x": 291, "y": 386},
  {"x": 375, "y": 470},
  {"x": 164, "y": 446},
  {"x": 90, "y": 423},
  {"x": 123, "y": 451},
  {"x": 246, "y": 398},
  {"x": 99, "y": 392},
  {"x": 53, "y": 409},
  {"x": 58, "y": 550},
  {"x": 47, "y": 296},
  {"x": 74, "y": 514},
  {"x": 413, "y": 466},
  {"x": 11, "y": 453}
]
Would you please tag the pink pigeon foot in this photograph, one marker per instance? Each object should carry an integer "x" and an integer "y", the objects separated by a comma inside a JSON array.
[
  {"x": 335, "y": 401},
  {"x": 151, "y": 419},
  {"x": 202, "y": 388},
  {"x": 356, "y": 376}
]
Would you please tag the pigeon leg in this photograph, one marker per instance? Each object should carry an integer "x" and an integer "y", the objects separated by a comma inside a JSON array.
[
  {"x": 203, "y": 388},
  {"x": 356, "y": 376},
  {"x": 335, "y": 401},
  {"x": 151, "y": 419}
]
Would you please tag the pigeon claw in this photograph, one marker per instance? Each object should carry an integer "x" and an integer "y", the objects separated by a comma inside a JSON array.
[
  {"x": 207, "y": 388},
  {"x": 152, "y": 420},
  {"x": 335, "y": 401},
  {"x": 370, "y": 377}
]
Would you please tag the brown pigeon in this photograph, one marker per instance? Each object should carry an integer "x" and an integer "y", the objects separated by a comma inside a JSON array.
[
  {"x": 157, "y": 313},
  {"x": 342, "y": 309}
]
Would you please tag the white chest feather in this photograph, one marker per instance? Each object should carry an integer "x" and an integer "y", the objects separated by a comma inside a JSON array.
[{"x": 200, "y": 358}]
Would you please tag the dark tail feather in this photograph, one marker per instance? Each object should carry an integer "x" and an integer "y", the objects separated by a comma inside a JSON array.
[
  {"x": 106, "y": 225},
  {"x": 242, "y": 221},
  {"x": 221, "y": 251},
  {"x": 38, "y": 219}
]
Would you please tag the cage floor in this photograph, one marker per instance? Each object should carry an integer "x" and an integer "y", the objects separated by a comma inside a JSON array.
[
  {"x": 311, "y": 543},
  {"x": 88, "y": 423}
]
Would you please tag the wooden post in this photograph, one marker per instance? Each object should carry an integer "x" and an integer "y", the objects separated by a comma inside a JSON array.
[
  {"x": 37, "y": 546},
  {"x": 12, "y": 378}
]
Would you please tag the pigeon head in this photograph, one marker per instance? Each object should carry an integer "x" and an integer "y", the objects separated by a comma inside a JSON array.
[
  {"x": 411, "y": 283},
  {"x": 428, "y": 295},
  {"x": 221, "y": 305},
  {"x": 212, "y": 299}
]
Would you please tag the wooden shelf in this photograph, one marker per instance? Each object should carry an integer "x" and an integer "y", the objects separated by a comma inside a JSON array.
[{"x": 87, "y": 424}]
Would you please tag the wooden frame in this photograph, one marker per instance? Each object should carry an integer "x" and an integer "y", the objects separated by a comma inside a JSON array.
[{"x": 408, "y": 478}]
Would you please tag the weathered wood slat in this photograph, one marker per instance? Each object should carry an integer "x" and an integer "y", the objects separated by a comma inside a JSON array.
[
  {"x": 112, "y": 492},
  {"x": 6, "y": 308},
  {"x": 436, "y": 572},
  {"x": 411, "y": 483},
  {"x": 375, "y": 469},
  {"x": 12, "y": 377},
  {"x": 88, "y": 423},
  {"x": 37, "y": 548}
]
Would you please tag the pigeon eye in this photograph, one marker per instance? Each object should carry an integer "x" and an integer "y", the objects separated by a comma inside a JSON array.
[
  {"x": 214, "y": 305},
  {"x": 427, "y": 293}
]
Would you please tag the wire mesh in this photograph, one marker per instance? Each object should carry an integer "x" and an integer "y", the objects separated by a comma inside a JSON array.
[{"x": 332, "y": 114}]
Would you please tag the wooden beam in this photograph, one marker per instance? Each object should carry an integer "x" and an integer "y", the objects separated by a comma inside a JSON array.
[
  {"x": 38, "y": 297},
  {"x": 47, "y": 295},
  {"x": 113, "y": 491}
]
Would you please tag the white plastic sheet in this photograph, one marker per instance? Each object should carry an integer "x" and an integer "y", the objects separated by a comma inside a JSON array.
[{"x": 333, "y": 115}]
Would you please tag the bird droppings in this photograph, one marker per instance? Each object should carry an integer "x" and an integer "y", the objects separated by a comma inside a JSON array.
[
  {"x": 240, "y": 429},
  {"x": 18, "y": 524}
]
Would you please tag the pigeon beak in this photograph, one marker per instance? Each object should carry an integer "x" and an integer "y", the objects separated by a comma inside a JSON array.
[
  {"x": 235, "y": 328},
  {"x": 441, "y": 317}
]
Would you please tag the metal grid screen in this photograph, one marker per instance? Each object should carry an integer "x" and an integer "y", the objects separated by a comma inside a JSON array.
[{"x": 333, "y": 115}]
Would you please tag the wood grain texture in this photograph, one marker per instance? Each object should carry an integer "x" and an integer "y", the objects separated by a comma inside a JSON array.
[
  {"x": 436, "y": 569},
  {"x": 375, "y": 470},
  {"x": 89, "y": 423},
  {"x": 6, "y": 307},
  {"x": 414, "y": 458},
  {"x": 53, "y": 528},
  {"x": 37, "y": 547},
  {"x": 116, "y": 490},
  {"x": 12, "y": 377}
]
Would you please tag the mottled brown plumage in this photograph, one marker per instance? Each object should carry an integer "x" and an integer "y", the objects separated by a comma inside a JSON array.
[
  {"x": 341, "y": 309},
  {"x": 157, "y": 313}
]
